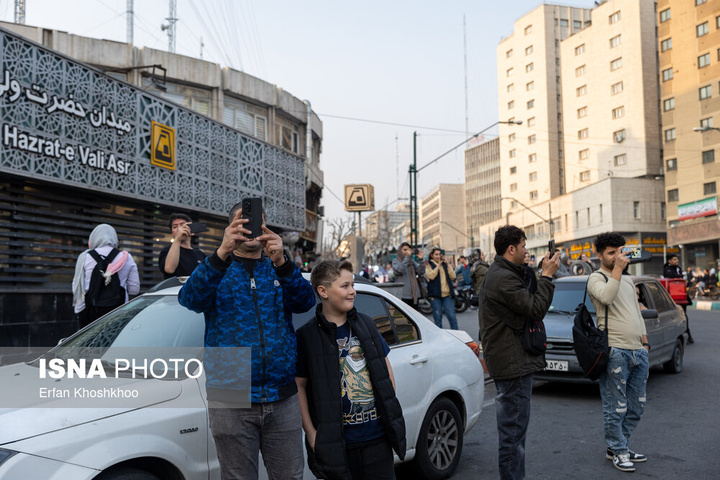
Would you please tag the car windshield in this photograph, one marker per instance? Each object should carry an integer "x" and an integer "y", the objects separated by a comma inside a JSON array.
[{"x": 567, "y": 297}]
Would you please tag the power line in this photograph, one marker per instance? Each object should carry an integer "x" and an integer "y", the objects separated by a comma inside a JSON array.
[{"x": 380, "y": 122}]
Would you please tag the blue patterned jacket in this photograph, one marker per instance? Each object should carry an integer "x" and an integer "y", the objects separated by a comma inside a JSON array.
[{"x": 236, "y": 315}]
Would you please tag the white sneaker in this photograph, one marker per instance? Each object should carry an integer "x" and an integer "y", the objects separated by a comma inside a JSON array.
[{"x": 622, "y": 462}]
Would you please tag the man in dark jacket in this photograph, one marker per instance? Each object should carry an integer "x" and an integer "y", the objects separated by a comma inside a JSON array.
[
  {"x": 505, "y": 306},
  {"x": 248, "y": 300},
  {"x": 672, "y": 270}
]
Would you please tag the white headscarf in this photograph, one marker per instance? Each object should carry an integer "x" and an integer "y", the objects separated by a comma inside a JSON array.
[{"x": 103, "y": 234}]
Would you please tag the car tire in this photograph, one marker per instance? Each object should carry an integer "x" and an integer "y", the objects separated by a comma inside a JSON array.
[
  {"x": 675, "y": 364},
  {"x": 126, "y": 474},
  {"x": 440, "y": 441}
]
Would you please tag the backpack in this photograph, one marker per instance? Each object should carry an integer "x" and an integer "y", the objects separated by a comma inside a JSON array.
[
  {"x": 100, "y": 295},
  {"x": 589, "y": 342}
]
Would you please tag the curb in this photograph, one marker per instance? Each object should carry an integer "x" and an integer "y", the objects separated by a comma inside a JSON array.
[{"x": 704, "y": 305}]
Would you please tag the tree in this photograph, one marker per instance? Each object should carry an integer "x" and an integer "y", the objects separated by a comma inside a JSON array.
[{"x": 339, "y": 229}]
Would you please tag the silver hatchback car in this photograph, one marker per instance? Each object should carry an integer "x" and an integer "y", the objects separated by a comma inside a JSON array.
[{"x": 665, "y": 323}]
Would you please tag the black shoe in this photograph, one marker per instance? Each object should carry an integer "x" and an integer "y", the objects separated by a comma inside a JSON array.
[
  {"x": 690, "y": 340},
  {"x": 634, "y": 456}
]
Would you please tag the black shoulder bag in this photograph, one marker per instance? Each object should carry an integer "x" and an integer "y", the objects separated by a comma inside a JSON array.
[{"x": 589, "y": 342}]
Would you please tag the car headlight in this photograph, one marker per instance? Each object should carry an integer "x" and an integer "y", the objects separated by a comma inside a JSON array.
[{"x": 5, "y": 454}]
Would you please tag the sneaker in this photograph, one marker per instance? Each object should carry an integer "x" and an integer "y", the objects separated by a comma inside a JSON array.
[
  {"x": 622, "y": 462},
  {"x": 634, "y": 456}
]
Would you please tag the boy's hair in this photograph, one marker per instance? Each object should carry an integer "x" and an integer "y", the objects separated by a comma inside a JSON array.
[
  {"x": 175, "y": 216},
  {"x": 507, "y": 235},
  {"x": 671, "y": 256},
  {"x": 327, "y": 272},
  {"x": 608, "y": 239}
]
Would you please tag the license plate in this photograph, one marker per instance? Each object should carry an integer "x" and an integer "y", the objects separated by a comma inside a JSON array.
[{"x": 557, "y": 365}]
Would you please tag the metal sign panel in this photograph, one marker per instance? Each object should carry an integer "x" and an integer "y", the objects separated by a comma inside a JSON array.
[
  {"x": 359, "y": 198},
  {"x": 67, "y": 123},
  {"x": 163, "y": 146}
]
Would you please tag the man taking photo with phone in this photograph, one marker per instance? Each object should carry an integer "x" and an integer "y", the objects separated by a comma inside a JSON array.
[{"x": 180, "y": 258}]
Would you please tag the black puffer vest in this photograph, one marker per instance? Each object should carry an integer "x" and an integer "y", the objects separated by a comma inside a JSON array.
[{"x": 329, "y": 460}]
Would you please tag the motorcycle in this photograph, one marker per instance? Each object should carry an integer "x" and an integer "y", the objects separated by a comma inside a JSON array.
[{"x": 466, "y": 294}]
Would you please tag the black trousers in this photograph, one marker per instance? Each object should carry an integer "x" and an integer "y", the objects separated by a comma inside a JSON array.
[{"x": 372, "y": 460}]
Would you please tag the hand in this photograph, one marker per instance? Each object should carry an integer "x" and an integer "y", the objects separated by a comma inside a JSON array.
[
  {"x": 621, "y": 261},
  {"x": 550, "y": 265},
  {"x": 311, "y": 438},
  {"x": 420, "y": 254},
  {"x": 273, "y": 246},
  {"x": 234, "y": 236},
  {"x": 182, "y": 233}
]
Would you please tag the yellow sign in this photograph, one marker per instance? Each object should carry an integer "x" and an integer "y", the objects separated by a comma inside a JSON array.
[
  {"x": 162, "y": 147},
  {"x": 359, "y": 198}
]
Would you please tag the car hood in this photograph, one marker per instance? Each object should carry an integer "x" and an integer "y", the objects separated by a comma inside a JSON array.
[
  {"x": 558, "y": 325},
  {"x": 24, "y": 413}
]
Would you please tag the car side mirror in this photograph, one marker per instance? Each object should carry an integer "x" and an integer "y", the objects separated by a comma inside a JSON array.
[{"x": 649, "y": 313}]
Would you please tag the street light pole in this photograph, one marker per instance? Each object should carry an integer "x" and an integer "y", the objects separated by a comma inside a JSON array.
[
  {"x": 414, "y": 171},
  {"x": 705, "y": 129},
  {"x": 550, "y": 222}
]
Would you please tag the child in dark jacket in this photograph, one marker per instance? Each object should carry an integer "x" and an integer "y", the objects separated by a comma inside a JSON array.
[{"x": 346, "y": 389}]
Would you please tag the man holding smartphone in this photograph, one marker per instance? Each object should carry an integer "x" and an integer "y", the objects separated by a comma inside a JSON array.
[{"x": 180, "y": 258}]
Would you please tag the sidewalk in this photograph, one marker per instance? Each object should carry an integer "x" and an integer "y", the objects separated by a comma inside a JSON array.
[{"x": 699, "y": 304}]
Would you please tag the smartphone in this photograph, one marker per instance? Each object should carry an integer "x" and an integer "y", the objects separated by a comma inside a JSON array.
[
  {"x": 252, "y": 210},
  {"x": 551, "y": 247},
  {"x": 632, "y": 253},
  {"x": 198, "y": 227}
]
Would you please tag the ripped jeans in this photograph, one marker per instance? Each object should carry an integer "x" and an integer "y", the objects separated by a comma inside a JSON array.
[{"x": 622, "y": 389}]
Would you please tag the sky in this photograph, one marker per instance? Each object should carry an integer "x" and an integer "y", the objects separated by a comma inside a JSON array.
[{"x": 373, "y": 63}]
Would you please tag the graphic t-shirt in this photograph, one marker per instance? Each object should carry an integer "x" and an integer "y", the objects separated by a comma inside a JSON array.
[{"x": 361, "y": 420}]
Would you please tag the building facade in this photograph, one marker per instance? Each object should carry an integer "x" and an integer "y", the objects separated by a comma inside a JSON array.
[
  {"x": 91, "y": 135},
  {"x": 442, "y": 218},
  {"x": 482, "y": 186},
  {"x": 689, "y": 43},
  {"x": 378, "y": 233}
]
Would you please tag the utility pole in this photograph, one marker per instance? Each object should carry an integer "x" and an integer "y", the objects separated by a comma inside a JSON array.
[
  {"x": 20, "y": 12},
  {"x": 130, "y": 22},
  {"x": 467, "y": 129},
  {"x": 170, "y": 27}
]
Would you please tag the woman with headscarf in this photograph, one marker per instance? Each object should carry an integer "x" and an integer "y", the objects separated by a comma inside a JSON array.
[{"x": 103, "y": 240}]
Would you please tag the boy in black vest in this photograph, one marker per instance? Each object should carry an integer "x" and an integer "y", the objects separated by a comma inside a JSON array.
[{"x": 346, "y": 389}]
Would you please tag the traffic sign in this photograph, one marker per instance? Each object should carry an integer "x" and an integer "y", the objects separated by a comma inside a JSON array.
[{"x": 359, "y": 198}]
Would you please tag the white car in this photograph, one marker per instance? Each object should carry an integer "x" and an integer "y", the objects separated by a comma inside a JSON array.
[{"x": 160, "y": 429}]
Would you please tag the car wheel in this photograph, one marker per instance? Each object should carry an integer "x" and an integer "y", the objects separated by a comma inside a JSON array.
[
  {"x": 126, "y": 474},
  {"x": 424, "y": 305},
  {"x": 675, "y": 364},
  {"x": 440, "y": 441}
]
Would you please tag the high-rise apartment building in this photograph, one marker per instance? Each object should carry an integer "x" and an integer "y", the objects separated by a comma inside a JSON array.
[
  {"x": 442, "y": 218},
  {"x": 689, "y": 39},
  {"x": 482, "y": 186},
  {"x": 529, "y": 90}
]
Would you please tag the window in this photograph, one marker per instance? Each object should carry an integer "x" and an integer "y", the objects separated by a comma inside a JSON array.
[
  {"x": 619, "y": 136},
  {"x": 530, "y": 104},
  {"x": 247, "y": 118},
  {"x": 287, "y": 135},
  {"x": 615, "y": 17},
  {"x": 669, "y": 104},
  {"x": 584, "y": 154},
  {"x": 704, "y": 60},
  {"x": 717, "y": 21},
  {"x": 662, "y": 211},
  {"x": 616, "y": 64},
  {"x": 529, "y": 67},
  {"x": 563, "y": 22},
  {"x": 511, "y": 137},
  {"x": 531, "y": 139},
  {"x": 620, "y": 160},
  {"x": 511, "y": 104},
  {"x": 673, "y": 195},
  {"x": 582, "y": 112},
  {"x": 528, "y": 30},
  {"x": 705, "y": 92},
  {"x": 196, "y": 99},
  {"x": 533, "y": 176},
  {"x": 529, "y": 50},
  {"x": 513, "y": 187},
  {"x": 706, "y": 122},
  {"x": 531, "y": 122},
  {"x": 530, "y": 86},
  {"x": 615, "y": 41},
  {"x": 617, "y": 88},
  {"x": 585, "y": 176},
  {"x": 580, "y": 71},
  {"x": 582, "y": 133},
  {"x": 509, "y": 53},
  {"x": 636, "y": 209},
  {"x": 513, "y": 170},
  {"x": 534, "y": 195},
  {"x": 667, "y": 74},
  {"x": 665, "y": 15},
  {"x": 666, "y": 45},
  {"x": 511, "y": 88},
  {"x": 393, "y": 325},
  {"x": 671, "y": 164},
  {"x": 580, "y": 91},
  {"x": 700, "y": 2},
  {"x": 702, "y": 29},
  {"x": 512, "y": 153},
  {"x": 510, "y": 72},
  {"x": 580, "y": 49},
  {"x": 532, "y": 158},
  {"x": 709, "y": 188},
  {"x": 708, "y": 156},
  {"x": 669, "y": 134},
  {"x": 618, "y": 112},
  {"x": 577, "y": 24}
]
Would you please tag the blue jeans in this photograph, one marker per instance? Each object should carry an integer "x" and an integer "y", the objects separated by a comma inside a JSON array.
[
  {"x": 622, "y": 389},
  {"x": 512, "y": 408},
  {"x": 446, "y": 304},
  {"x": 275, "y": 429}
]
